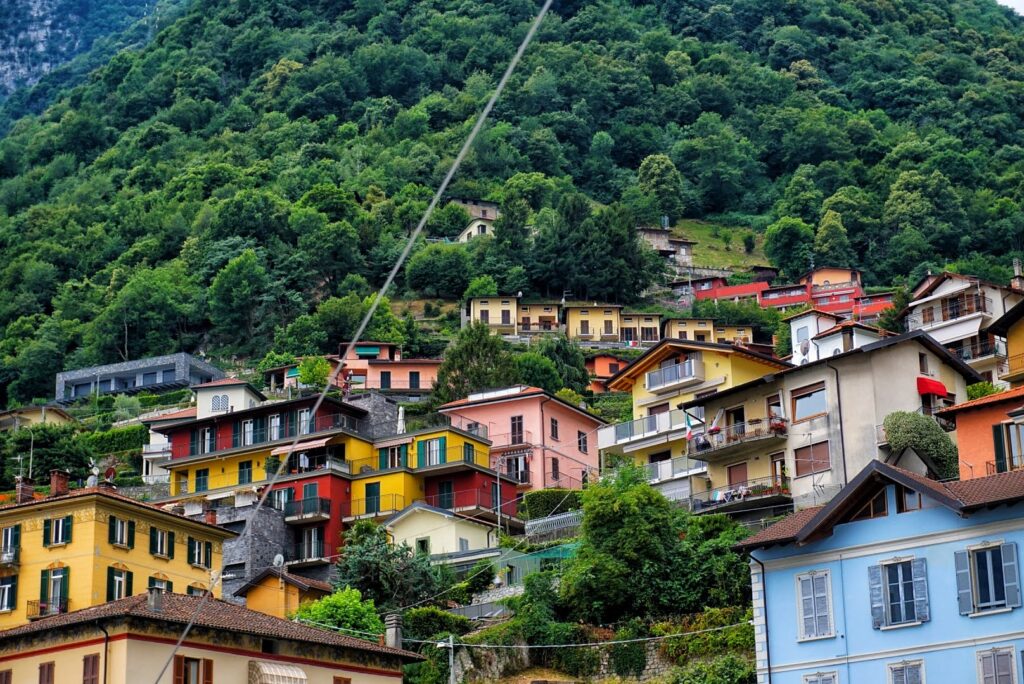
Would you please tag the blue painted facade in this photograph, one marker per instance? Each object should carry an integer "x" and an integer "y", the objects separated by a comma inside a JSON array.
[{"x": 950, "y": 647}]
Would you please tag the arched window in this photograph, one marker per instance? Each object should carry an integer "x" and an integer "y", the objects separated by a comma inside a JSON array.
[
  {"x": 216, "y": 402},
  {"x": 224, "y": 402}
]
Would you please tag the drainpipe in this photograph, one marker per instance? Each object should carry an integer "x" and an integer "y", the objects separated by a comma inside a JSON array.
[
  {"x": 767, "y": 639},
  {"x": 543, "y": 443},
  {"x": 839, "y": 405},
  {"x": 106, "y": 649}
]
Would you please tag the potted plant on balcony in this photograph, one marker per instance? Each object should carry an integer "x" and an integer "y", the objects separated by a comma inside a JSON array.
[{"x": 777, "y": 425}]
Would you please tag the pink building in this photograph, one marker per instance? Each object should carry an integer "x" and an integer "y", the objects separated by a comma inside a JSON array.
[
  {"x": 537, "y": 439},
  {"x": 370, "y": 365}
]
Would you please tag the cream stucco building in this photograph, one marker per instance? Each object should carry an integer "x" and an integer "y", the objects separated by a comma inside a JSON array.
[{"x": 438, "y": 531}]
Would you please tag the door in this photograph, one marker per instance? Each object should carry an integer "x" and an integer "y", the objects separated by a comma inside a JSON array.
[
  {"x": 373, "y": 497},
  {"x": 516, "y": 427},
  {"x": 737, "y": 474},
  {"x": 445, "y": 495},
  {"x": 414, "y": 379},
  {"x": 312, "y": 543},
  {"x": 779, "y": 469},
  {"x": 309, "y": 497},
  {"x": 735, "y": 421},
  {"x": 494, "y": 496},
  {"x": 385, "y": 380}
]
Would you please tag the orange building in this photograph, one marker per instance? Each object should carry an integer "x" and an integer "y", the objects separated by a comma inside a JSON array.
[
  {"x": 989, "y": 438},
  {"x": 369, "y": 366},
  {"x": 603, "y": 366}
]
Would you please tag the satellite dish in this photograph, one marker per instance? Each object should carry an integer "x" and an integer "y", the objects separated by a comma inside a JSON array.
[
  {"x": 109, "y": 473},
  {"x": 278, "y": 560}
]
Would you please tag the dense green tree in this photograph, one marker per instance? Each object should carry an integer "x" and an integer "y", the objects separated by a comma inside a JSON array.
[
  {"x": 314, "y": 371},
  {"x": 476, "y": 360},
  {"x": 536, "y": 370},
  {"x": 789, "y": 243},
  {"x": 570, "y": 364},
  {"x": 235, "y": 297},
  {"x": 481, "y": 286},
  {"x": 659, "y": 178},
  {"x": 439, "y": 270},
  {"x": 344, "y": 610},
  {"x": 802, "y": 198},
  {"x": 831, "y": 244}
]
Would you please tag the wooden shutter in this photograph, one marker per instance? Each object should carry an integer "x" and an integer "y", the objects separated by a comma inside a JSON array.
[
  {"x": 152, "y": 539},
  {"x": 128, "y": 577},
  {"x": 259, "y": 430},
  {"x": 421, "y": 454},
  {"x": 919, "y": 573},
  {"x": 47, "y": 531},
  {"x": 110, "y": 584},
  {"x": 170, "y": 544},
  {"x": 444, "y": 449},
  {"x": 208, "y": 556},
  {"x": 179, "y": 669},
  {"x": 207, "y": 671},
  {"x": 91, "y": 669},
  {"x": 169, "y": 587},
  {"x": 112, "y": 530},
  {"x": 965, "y": 596},
  {"x": 44, "y": 586},
  {"x": 14, "y": 590},
  {"x": 404, "y": 455},
  {"x": 16, "y": 536},
  {"x": 68, "y": 519},
  {"x": 65, "y": 583},
  {"x": 1000, "y": 445},
  {"x": 131, "y": 534},
  {"x": 191, "y": 551},
  {"x": 876, "y": 594},
  {"x": 382, "y": 458},
  {"x": 1011, "y": 574},
  {"x": 899, "y": 674},
  {"x": 913, "y": 674}
]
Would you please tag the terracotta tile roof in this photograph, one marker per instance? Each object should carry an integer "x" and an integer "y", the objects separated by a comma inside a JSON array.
[
  {"x": 852, "y": 324},
  {"x": 178, "y": 609},
  {"x": 1016, "y": 394},
  {"x": 112, "y": 494},
  {"x": 221, "y": 382},
  {"x": 172, "y": 415},
  {"x": 812, "y": 310},
  {"x": 781, "y": 532},
  {"x": 989, "y": 490},
  {"x": 524, "y": 392}
]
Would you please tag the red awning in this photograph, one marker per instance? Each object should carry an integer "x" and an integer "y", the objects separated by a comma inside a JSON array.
[{"x": 931, "y": 386}]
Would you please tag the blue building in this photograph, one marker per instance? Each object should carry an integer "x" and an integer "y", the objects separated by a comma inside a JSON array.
[{"x": 898, "y": 580}]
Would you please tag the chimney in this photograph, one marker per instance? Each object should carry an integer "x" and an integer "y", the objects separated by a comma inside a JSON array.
[
  {"x": 106, "y": 484},
  {"x": 155, "y": 599},
  {"x": 393, "y": 630},
  {"x": 59, "y": 482},
  {"x": 210, "y": 516},
  {"x": 1017, "y": 281},
  {"x": 24, "y": 488}
]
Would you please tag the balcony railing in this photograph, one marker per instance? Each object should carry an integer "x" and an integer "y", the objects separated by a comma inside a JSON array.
[
  {"x": 648, "y": 426},
  {"x": 452, "y": 455},
  {"x": 992, "y": 469},
  {"x": 978, "y": 350},
  {"x": 9, "y": 556},
  {"x": 469, "y": 499},
  {"x": 688, "y": 371},
  {"x": 303, "y": 552},
  {"x": 758, "y": 488},
  {"x": 1014, "y": 365},
  {"x": 740, "y": 433},
  {"x": 314, "y": 507},
  {"x": 585, "y": 333},
  {"x": 519, "y": 477},
  {"x": 373, "y": 506},
  {"x": 40, "y": 609},
  {"x": 530, "y": 327},
  {"x": 507, "y": 439},
  {"x": 950, "y": 310},
  {"x": 267, "y": 435},
  {"x": 669, "y": 469}
]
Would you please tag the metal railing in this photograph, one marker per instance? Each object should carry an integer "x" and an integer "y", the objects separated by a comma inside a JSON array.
[
  {"x": 527, "y": 326},
  {"x": 471, "y": 499},
  {"x": 307, "y": 551},
  {"x": 978, "y": 350},
  {"x": 991, "y": 468},
  {"x": 452, "y": 455},
  {"x": 40, "y": 609},
  {"x": 265, "y": 435},
  {"x": 950, "y": 310},
  {"x": 505, "y": 439},
  {"x": 585, "y": 333},
  {"x": 1014, "y": 364},
  {"x": 757, "y": 488},
  {"x": 307, "y": 508},
  {"x": 647, "y": 426},
  {"x": 754, "y": 429},
  {"x": 464, "y": 424},
  {"x": 385, "y": 504},
  {"x": 668, "y": 469},
  {"x": 687, "y": 370},
  {"x": 517, "y": 476},
  {"x": 10, "y": 555}
]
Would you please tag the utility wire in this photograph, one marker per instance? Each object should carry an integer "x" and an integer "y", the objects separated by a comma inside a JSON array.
[{"x": 410, "y": 243}]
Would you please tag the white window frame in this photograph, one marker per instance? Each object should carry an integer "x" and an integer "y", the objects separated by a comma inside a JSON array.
[
  {"x": 274, "y": 427},
  {"x": 205, "y": 438},
  {"x": 248, "y": 432},
  {"x": 160, "y": 584},
  {"x": 58, "y": 535},
  {"x": 8, "y": 539},
  {"x": 975, "y": 590},
  {"x": 120, "y": 580},
  {"x": 303, "y": 418},
  {"x": 120, "y": 532},
  {"x": 432, "y": 451},
  {"x": 162, "y": 544},
  {"x": 831, "y": 634},
  {"x": 885, "y": 595},
  {"x": 6, "y": 595},
  {"x": 816, "y": 677},
  {"x": 1010, "y": 650},
  {"x": 919, "y": 664},
  {"x": 463, "y": 544}
]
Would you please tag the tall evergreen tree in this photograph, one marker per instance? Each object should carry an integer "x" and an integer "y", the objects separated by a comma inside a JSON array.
[{"x": 831, "y": 245}]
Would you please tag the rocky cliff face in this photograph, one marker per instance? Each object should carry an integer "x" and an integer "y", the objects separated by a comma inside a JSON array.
[{"x": 36, "y": 36}]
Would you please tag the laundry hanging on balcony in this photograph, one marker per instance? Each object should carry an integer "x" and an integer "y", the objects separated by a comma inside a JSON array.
[{"x": 926, "y": 386}]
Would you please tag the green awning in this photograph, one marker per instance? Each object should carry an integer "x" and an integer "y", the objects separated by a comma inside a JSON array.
[{"x": 367, "y": 351}]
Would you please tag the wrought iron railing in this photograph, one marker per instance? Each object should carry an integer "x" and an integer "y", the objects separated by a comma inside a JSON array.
[
  {"x": 307, "y": 551},
  {"x": 251, "y": 436},
  {"x": 950, "y": 310},
  {"x": 41, "y": 609},
  {"x": 715, "y": 438},
  {"x": 757, "y": 488},
  {"x": 385, "y": 504},
  {"x": 313, "y": 506}
]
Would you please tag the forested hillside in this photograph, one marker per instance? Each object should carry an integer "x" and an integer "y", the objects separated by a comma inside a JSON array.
[{"x": 220, "y": 187}]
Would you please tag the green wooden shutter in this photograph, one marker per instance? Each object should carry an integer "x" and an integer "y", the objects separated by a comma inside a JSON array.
[
  {"x": 112, "y": 529},
  {"x": 64, "y": 584},
  {"x": 110, "y": 584},
  {"x": 67, "y": 527},
  {"x": 170, "y": 587},
  {"x": 152, "y": 583},
  {"x": 129, "y": 576},
  {"x": 1000, "y": 444},
  {"x": 152, "y": 539},
  {"x": 382, "y": 458},
  {"x": 131, "y": 534},
  {"x": 404, "y": 455},
  {"x": 191, "y": 551},
  {"x": 44, "y": 586},
  {"x": 208, "y": 559},
  {"x": 170, "y": 544},
  {"x": 421, "y": 453},
  {"x": 444, "y": 449},
  {"x": 193, "y": 442},
  {"x": 14, "y": 590},
  {"x": 259, "y": 430},
  {"x": 236, "y": 433},
  {"x": 47, "y": 531},
  {"x": 293, "y": 421}
]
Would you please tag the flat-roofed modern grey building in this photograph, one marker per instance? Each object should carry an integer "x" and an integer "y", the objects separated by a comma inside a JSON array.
[{"x": 156, "y": 373}]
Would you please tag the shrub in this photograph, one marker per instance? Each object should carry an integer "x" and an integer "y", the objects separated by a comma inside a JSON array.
[
  {"x": 748, "y": 243},
  {"x": 545, "y": 502},
  {"x": 428, "y": 621},
  {"x": 630, "y": 660},
  {"x": 480, "y": 576},
  {"x": 118, "y": 439},
  {"x": 727, "y": 669},
  {"x": 980, "y": 389},
  {"x": 737, "y": 640},
  {"x": 921, "y": 433}
]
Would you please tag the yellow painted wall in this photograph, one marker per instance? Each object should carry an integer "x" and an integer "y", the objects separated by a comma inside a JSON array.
[
  {"x": 398, "y": 489},
  {"x": 89, "y": 554},
  {"x": 443, "y": 532},
  {"x": 276, "y": 597},
  {"x": 454, "y": 443},
  {"x": 595, "y": 315},
  {"x": 537, "y": 311},
  {"x": 760, "y": 467},
  {"x": 1015, "y": 354},
  {"x": 494, "y": 306},
  {"x": 37, "y": 415},
  {"x": 725, "y": 369}
]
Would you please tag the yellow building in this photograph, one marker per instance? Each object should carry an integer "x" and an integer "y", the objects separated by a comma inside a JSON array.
[
  {"x": 129, "y": 641},
  {"x": 592, "y": 322},
  {"x": 540, "y": 317},
  {"x": 707, "y": 330},
  {"x": 669, "y": 374},
  {"x": 280, "y": 593},
  {"x": 82, "y": 548},
  {"x": 27, "y": 416},
  {"x": 636, "y": 326},
  {"x": 497, "y": 313},
  {"x": 1009, "y": 327},
  {"x": 437, "y": 531}
]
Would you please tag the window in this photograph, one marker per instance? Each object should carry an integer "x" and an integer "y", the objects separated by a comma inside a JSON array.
[
  {"x": 414, "y": 379},
  {"x": 275, "y": 427},
  {"x": 195, "y": 591},
  {"x": 468, "y": 453},
  {"x": 802, "y": 334},
  {"x": 207, "y": 441},
  {"x": 613, "y": 368},
  {"x": 163, "y": 585},
  {"x": 814, "y": 605},
  {"x": 809, "y": 402},
  {"x": 8, "y": 592},
  {"x": 555, "y": 474},
  {"x": 224, "y": 405},
  {"x": 516, "y": 437},
  {"x": 996, "y": 666},
  {"x": 394, "y": 457},
  {"x": 202, "y": 479},
  {"x": 907, "y": 500},
  {"x": 987, "y": 579},
  {"x": 245, "y": 472},
  {"x": 554, "y": 428},
  {"x": 119, "y": 583},
  {"x": 248, "y": 429},
  {"x": 200, "y": 553},
  {"x": 181, "y": 482},
  {"x": 922, "y": 362},
  {"x": 821, "y": 678},
  {"x": 337, "y": 680},
  {"x": 581, "y": 441},
  {"x": 506, "y": 317},
  {"x": 46, "y": 673},
  {"x": 463, "y": 544},
  {"x": 305, "y": 424},
  {"x": 6, "y": 677},
  {"x": 192, "y": 670},
  {"x": 773, "y": 404},
  {"x": 121, "y": 532},
  {"x": 906, "y": 673},
  {"x": 280, "y": 497},
  {"x": 57, "y": 531},
  {"x": 385, "y": 379},
  {"x": 423, "y": 545},
  {"x": 876, "y": 508},
  {"x": 898, "y": 592},
  {"x": 11, "y": 542},
  {"x": 812, "y": 459},
  {"x": 608, "y": 327},
  {"x": 215, "y": 403},
  {"x": 432, "y": 451},
  {"x": 1009, "y": 444}
]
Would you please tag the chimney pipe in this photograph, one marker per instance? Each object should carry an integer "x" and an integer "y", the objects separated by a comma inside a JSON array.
[
  {"x": 1017, "y": 281},
  {"x": 24, "y": 489},
  {"x": 155, "y": 599},
  {"x": 59, "y": 482},
  {"x": 393, "y": 630}
]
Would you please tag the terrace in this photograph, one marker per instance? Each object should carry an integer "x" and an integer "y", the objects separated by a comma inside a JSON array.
[{"x": 739, "y": 496}]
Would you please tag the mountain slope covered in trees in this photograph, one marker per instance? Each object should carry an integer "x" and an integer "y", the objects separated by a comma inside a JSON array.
[{"x": 236, "y": 184}]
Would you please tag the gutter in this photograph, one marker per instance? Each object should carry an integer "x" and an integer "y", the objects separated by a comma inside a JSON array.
[
  {"x": 106, "y": 649},
  {"x": 767, "y": 638}
]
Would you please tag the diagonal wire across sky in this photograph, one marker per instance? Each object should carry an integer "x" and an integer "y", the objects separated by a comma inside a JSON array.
[{"x": 466, "y": 146}]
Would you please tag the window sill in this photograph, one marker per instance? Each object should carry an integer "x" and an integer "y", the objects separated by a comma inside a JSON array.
[
  {"x": 57, "y": 545},
  {"x": 162, "y": 556},
  {"x": 815, "y": 638},
  {"x": 994, "y": 611},
  {"x": 119, "y": 545},
  {"x": 901, "y": 625},
  {"x": 199, "y": 566}
]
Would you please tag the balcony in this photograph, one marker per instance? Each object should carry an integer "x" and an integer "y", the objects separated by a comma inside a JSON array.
[
  {"x": 992, "y": 469},
  {"x": 677, "y": 376},
  {"x": 455, "y": 457},
  {"x": 478, "y": 501},
  {"x": 307, "y": 553},
  {"x": 949, "y": 310},
  {"x": 1014, "y": 368},
  {"x": 40, "y": 609},
  {"x": 585, "y": 333},
  {"x": 307, "y": 510},
  {"x": 739, "y": 439},
  {"x": 9, "y": 557},
  {"x": 504, "y": 327},
  {"x": 641, "y": 429},
  {"x": 373, "y": 507},
  {"x": 249, "y": 437},
  {"x": 519, "y": 477},
  {"x": 541, "y": 327},
  {"x": 974, "y": 350},
  {"x": 739, "y": 496},
  {"x": 506, "y": 440},
  {"x": 661, "y": 471}
]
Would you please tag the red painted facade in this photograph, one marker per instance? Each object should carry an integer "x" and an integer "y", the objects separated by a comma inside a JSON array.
[{"x": 471, "y": 489}]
